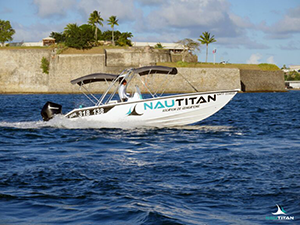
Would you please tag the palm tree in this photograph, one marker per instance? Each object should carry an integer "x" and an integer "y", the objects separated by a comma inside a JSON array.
[
  {"x": 70, "y": 29},
  {"x": 112, "y": 22},
  {"x": 95, "y": 19},
  {"x": 206, "y": 39}
]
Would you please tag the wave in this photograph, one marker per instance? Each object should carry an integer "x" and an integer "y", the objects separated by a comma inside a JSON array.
[
  {"x": 62, "y": 122},
  {"x": 23, "y": 125},
  {"x": 65, "y": 123}
]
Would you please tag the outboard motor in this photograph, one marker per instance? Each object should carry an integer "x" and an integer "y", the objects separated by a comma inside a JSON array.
[{"x": 49, "y": 110}]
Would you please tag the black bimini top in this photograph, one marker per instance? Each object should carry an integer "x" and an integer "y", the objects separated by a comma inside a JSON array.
[
  {"x": 95, "y": 77},
  {"x": 155, "y": 69},
  {"x": 146, "y": 70}
]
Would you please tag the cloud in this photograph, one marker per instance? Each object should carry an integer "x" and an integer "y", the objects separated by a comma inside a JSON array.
[
  {"x": 287, "y": 26},
  {"x": 189, "y": 18},
  {"x": 54, "y": 7},
  {"x": 271, "y": 60},
  {"x": 292, "y": 45},
  {"x": 190, "y": 14},
  {"x": 241, "y": 41},
  {"x": 161, "y": 37},
  {"x": 78, "y": 11},
  {"x": 35, "y": 32},
  {"x": 151, "y": 2},
  {"x": 160, "y": 20},
  {"x": 241, "y": 22},
  {"x": 6, "y": 10},
  {"x": 125, "y": 10},
  {"x": 254, "y": 59}
]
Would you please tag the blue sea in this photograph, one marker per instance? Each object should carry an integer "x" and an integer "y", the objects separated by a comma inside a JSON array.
[{"x": 232, "y": 168}]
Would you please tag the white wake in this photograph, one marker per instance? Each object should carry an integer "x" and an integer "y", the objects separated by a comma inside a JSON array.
[
  {"x": 65, "y": 123},
  {"x": 61, "y": 122}
]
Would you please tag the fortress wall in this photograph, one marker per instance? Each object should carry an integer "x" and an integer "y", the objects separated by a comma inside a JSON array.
[
  {"x": 64, "y": 68},
  {"x": 190, "y": 80},
  {"x": 211, "y": 79},
  {"x": 260, "y": 81},
  {"x": 135, "y": 57},
  {"x": 20, "y": 71}
]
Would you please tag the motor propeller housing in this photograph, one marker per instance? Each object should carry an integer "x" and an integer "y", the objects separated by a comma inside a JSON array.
[{"x": 49, "y": 110}]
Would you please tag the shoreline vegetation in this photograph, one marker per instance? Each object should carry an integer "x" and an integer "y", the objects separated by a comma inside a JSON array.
[{"x": 262, "y": 66}]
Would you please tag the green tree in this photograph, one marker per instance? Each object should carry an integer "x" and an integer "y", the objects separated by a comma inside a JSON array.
[
  {"x": 6, "y": 32},
  {"x": 112, "y": 21},
  {"x": 70, "y": 30},
  {"x": 124, "y": 39},
  {"x": 189, "y": 47},
  {"x": 59, "y": 37},
  {"x": 206, "y": 39},
  {"x": 95, "y": 19},
  {"x": 106, "y": 35},
  {"x": 292, "y": 75},
  {"x": 121, "y": 39},
  {"x": 79, "y": 37}
]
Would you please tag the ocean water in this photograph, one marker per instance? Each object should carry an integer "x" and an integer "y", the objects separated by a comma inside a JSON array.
[{"x": 232, "y": 168}]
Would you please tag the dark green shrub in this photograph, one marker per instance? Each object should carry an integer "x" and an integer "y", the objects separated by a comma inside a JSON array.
[
  {"x": 290, "y": 76},
  {"x": 159, "y": 46},
  {"x": 121, "y": 39},
  {"x": 81, "y": 37},
  {"x": 45, "y": 65},
  {"x": 59, "y": 37}
]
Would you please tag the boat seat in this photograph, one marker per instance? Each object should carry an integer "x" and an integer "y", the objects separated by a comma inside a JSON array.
[{"x": 136, "y": 96}]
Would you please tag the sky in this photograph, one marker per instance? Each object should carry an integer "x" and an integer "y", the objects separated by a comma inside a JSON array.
[{"x": 246, "y": 31}]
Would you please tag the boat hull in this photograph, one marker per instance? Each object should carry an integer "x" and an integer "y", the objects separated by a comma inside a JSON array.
[{"x": 174, "y": 110}]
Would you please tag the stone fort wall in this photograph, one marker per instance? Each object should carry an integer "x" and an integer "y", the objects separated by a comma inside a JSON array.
[{"x": 20, "y": 72}]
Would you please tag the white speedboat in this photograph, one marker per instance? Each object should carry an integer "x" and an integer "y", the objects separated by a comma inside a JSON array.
[{"x": 153, "y": 109}]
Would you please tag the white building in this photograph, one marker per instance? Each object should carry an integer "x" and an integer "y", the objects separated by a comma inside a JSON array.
[
  {"x": 293, "y": 84},
  {"x": 46, "y": 42},
  {"x": 30, "y": 44},
  {"x": 295, "y": 68}
]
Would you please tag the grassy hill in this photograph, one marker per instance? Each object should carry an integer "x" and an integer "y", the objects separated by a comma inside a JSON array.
[{"x": 262, "y": 66}]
